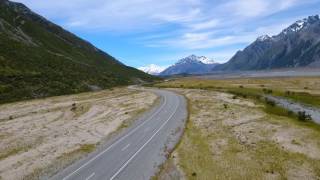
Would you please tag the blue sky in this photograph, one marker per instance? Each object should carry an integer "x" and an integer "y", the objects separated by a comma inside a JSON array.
[{"x": 143, "y": 32}]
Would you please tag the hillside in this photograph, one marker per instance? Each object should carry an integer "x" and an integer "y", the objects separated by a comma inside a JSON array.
[
  {"x": 296, "y": 46},
  {"x": 40, "y": 59}
]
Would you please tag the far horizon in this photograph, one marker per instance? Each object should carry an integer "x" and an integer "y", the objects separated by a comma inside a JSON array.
[{"x": 149, "y": 32}]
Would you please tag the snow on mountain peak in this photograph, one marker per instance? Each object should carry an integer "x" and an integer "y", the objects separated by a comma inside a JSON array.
[
  {"x": 206, "y": 60},
  {"x": 194, "y": 58},
  {"x": 300, "y": 24},
  {"x": 263, "y": 38},
  {"x": 152, "y": 69}
]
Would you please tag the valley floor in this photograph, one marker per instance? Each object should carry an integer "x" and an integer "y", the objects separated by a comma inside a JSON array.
[
  {"x": 231, "y": 134},
  {"x": 228, "y": 138},
  {"x": 41, "y": 137}
]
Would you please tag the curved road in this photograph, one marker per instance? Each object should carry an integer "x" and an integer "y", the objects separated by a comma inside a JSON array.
[{"x": 137, "y": 152}]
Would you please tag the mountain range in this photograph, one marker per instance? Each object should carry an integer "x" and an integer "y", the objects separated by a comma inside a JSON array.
[
  {"x": 39, "y": 58},
  {"x": 190, "y": 65},
  {"x": 296, "y": 46}
]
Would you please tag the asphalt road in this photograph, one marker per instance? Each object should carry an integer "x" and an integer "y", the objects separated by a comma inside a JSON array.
[{"x": 137, "y": 152}]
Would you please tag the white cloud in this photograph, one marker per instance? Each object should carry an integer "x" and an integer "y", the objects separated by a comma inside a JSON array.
[
  {"x": 205, "y": 25},
  {"x": 247, "y": 8},
  {"x": 117, "y": 15},
  {"x": 129, "y": 15},
  {"x": 255, "y": 8}
]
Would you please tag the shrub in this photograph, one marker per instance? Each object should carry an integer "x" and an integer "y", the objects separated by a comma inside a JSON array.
[
  {"x": 303, "y": 116},
  {"x": 267, "y": 91},
  {"x": 290, "y": 113},
  {"x": 74, "y": 107},
  {"x": 270, "y": 102},
  {"x": 287, "y": 93}
]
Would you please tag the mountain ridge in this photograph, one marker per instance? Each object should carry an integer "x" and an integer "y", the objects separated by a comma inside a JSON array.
[{"x": 296, "y": 46}]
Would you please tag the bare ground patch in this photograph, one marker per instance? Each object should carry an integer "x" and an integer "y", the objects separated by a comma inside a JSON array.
[{"x": 40, "y": 137}]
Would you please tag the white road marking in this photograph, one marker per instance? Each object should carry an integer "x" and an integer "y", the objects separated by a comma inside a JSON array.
[
  {"x": 136, "y": 153},
  {"x": 116, "y": 142},
  {"x": 124, "y": 148},
  {"x": 90, "y": 176}
]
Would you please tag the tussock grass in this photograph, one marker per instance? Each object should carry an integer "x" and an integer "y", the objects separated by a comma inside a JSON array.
[
  {"x": 13, "y": 151},
  {"x": 87, "y": 148},
  {"x": 62, "y": 161}
]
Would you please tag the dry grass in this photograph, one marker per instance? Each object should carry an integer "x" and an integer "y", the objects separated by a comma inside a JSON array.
[
  {"x": 310, "y": 84},
  {"x": 40, "y": 137},
  {"x": 230, "y": 138},
  {"x": 300, "y": 89}
]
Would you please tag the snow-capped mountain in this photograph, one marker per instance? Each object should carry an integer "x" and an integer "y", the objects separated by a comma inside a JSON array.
[
  {"x": 301, "y": 24},
  {"x": 194, "y": 58},
  {"x": 190, "y": 65},
  {"x": 152, "y": 69},
  {"x": 296, "y": 46}
]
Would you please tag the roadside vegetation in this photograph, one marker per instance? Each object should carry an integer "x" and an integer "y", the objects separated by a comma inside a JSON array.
[
  {"x": 233, "y": 132},
  {"x": 300, "y": 89}
]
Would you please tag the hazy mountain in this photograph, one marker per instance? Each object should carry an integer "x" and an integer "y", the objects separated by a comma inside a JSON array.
[
  {"x": 296, "y": 46},
  {"x": 190, "y": 65},
  {"x": 39, "y": 58},
  {"x": 152, "y": 69}
]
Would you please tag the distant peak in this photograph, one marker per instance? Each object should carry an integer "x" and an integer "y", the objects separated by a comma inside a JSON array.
[
  {"x": 263, "y": 38},
  {"x": 198, "y": 59},
  {"x": 153, "y": 69},
  {"x": 301, "y": 24},
  {"x": 192, "y": 56}
]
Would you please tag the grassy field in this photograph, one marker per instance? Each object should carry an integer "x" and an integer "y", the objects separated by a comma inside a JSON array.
[
  {"x": 233, "y": 135},
  {"x": 301, "y": 89}
]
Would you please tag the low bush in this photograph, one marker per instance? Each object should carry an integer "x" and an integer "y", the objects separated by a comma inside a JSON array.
[{"x": 303, "y": 116}]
